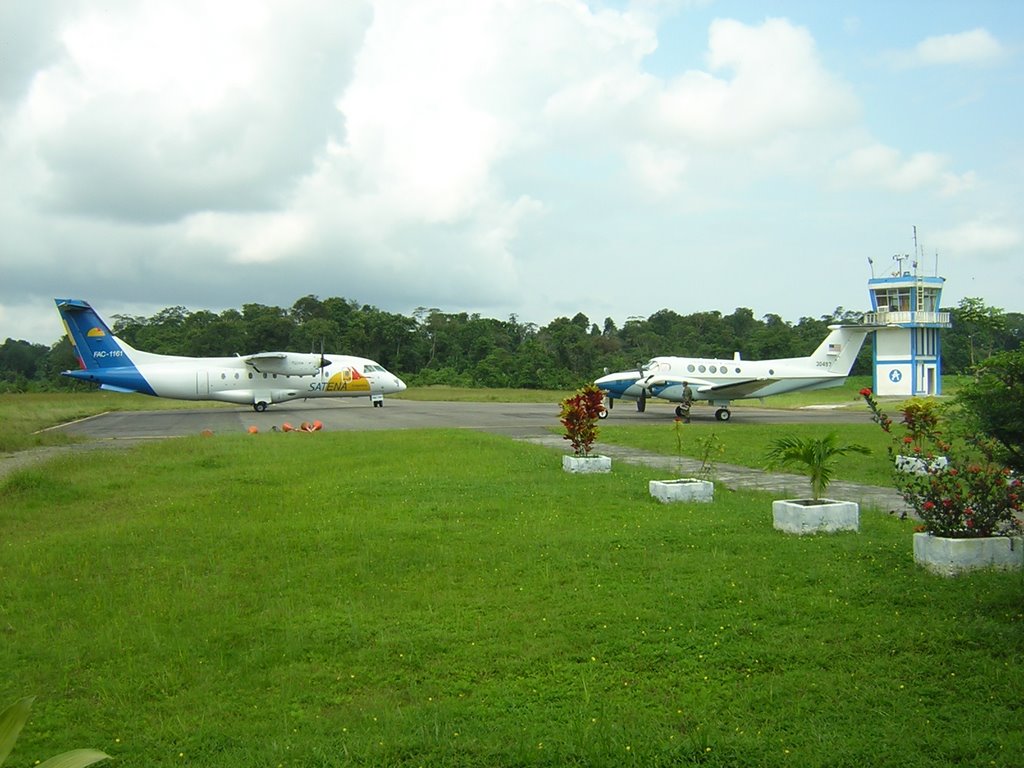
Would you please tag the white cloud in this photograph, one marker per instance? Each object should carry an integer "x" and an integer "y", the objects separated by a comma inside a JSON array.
[
  {"x": 976, "y": 46},
  {"x": 465, "y": 155},
  {"x": 763, "y": 82},
  {"x": 162, "y": 110},
  {"x": 657, "y": 170},
  {"x": 980, "y": 237},
  {"x": 882, "y": 166}
]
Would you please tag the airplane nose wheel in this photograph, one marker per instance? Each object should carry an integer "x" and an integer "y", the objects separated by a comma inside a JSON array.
[{"x": 259, "y": 407}]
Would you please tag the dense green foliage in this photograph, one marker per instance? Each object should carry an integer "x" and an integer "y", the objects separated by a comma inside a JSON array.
[
  {"x": 434, "y": 347},
  {"x": 319, "y": 600},
  {"x": 992, "y": 404}
]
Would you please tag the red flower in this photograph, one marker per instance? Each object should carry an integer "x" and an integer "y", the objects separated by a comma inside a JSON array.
[{"x": 866, "y": 392}]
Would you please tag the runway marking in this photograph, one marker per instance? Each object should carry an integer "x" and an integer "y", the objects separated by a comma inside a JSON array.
[{"x": 71, "y": 423}]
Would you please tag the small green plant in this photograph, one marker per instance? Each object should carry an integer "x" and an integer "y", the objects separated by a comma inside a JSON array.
[
  {"x": 816, "y": 457},
  {"x": 711, "y": 448},
  {"x": 11, "y": 722},
  {"x": 677, "y": 425},
  {"x": 579, "y": 416}
]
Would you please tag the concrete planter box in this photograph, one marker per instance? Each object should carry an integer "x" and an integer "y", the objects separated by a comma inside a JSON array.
[
  {"x": 683, "y": 489},
  {"x": 587, "y": 464},
  {"x": 951, "y": 557},
  {"x": 822, "y": 516}
]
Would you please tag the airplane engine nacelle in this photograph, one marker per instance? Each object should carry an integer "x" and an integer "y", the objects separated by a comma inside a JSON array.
[
  {"x": 283, "y": 395},
  {"x": 286, "y": 363}
]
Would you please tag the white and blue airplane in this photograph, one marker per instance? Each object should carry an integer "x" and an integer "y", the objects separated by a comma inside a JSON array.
[
  {"x": 722, "y": 381},
  {"x": 257, "y": 380}
]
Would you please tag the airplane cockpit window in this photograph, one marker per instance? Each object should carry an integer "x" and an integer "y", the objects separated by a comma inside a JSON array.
[{"x": 370, "y": 368}]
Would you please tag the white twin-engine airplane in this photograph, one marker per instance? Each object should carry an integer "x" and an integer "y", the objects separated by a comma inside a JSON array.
[
  {"x": 721, "y": 381},
  {"x": 256, "y": 380}
]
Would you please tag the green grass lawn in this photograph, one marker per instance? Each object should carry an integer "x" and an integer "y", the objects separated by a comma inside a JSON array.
[
  {"x": 747, "y": 444},
  {"x": 448, "y": 598}
]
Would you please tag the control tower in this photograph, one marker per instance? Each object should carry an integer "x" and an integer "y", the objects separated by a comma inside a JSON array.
[{"x": 907, "y": 357}]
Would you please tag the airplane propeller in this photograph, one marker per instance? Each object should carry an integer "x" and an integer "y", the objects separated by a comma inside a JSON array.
[
  {"x": 641, "y": 402},
  {"x": 324, "y": 362}
]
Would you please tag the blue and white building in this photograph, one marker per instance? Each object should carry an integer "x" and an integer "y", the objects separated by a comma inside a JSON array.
[{"x": 907, "y": 358}]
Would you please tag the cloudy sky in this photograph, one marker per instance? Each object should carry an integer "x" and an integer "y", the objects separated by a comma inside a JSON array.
[{"x": 536, "y": 157}]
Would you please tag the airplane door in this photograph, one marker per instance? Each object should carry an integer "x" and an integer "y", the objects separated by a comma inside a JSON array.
[{"x": 202, "y": 383}]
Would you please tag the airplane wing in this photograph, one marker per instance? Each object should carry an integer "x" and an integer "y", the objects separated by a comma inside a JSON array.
[
  {"x": 734, "y": 390},
  {"x": 702, "y": 389}
]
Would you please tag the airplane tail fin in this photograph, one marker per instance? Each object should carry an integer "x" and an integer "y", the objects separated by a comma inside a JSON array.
[
  {"x": 837, "y": 353},
  {"x": 94, "y": 344},
  {"x": 104, "y": 358}
]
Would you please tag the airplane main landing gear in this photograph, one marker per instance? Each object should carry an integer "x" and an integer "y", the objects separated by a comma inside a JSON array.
[
  {"x": 723, "y": 414},
  {"x": 259, "y": 407}
]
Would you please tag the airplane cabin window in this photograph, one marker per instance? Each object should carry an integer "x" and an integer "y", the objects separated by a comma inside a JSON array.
[
  {"x": 701, "y": 368},
  {"x": 691, "y": 368},
  {"x": 223, "y": 375}
]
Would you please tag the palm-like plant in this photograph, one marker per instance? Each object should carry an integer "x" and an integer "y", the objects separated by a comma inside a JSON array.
[
  {"x": 817, "y": 457},
  {"x": 11, "y": 721}
]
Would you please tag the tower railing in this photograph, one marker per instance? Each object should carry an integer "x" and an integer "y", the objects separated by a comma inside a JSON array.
[{"x": 905, "y": 318}]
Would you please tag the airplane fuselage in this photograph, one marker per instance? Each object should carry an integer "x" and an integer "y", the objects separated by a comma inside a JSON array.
[
  {"x": 232, "y": 381},
  {"x": 257, "y": 380},
  {"x": 704, "y": 375},
  {"x": 722, "y": 381}
]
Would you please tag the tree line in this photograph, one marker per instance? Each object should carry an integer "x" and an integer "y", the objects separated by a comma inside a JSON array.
[{"x": 435, "y": 347}]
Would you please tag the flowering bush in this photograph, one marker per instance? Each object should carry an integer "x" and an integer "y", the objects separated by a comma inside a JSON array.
[
  {"x": 965, "y": 496},
  {"x": 579, "y": 416}
]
